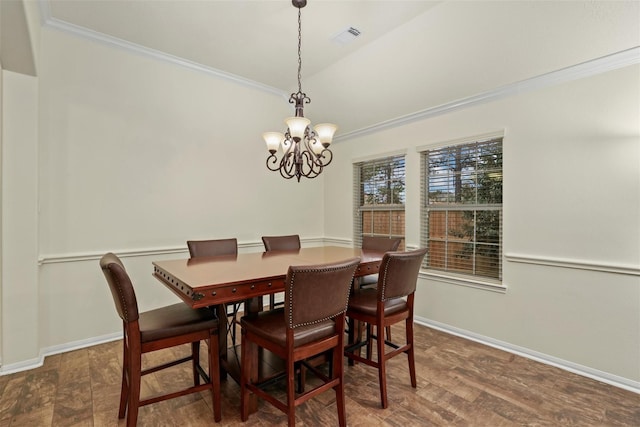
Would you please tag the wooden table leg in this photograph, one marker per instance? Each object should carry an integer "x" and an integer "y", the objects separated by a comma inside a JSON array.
[
  {"x": 222, "y": 338},
  {"x": 355, "y": 326},
  {"x": 252, "y": 307}
]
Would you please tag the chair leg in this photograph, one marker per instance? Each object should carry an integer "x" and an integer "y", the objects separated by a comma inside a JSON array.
[
  {"x": 302, "y": 377},
  {"x": 124, "y": 389},
  {"x": 388, "y": 330},
  {"x": 338, "y": 372},
  {"x": 382, "y": 374},
  {"x": 214, "y": 376},
  {"x": 351, "y": 337},
  {"x": 272, "y": 301},
  {"x": 195, "y": 361},
  {"x": 248, "y": 350},
  {"x": 410, "y": 352},
  {"x": 135, "y": 367},
  {"x": 369, "y": 342},
  {"x": 291, "y": 393}
]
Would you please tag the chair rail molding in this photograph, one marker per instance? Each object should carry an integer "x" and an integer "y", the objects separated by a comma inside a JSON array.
[
  {"x": 593, "y": 265},
  {"x": 250, "y": 246}
]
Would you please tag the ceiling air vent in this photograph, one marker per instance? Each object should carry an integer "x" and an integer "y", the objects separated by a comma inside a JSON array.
[{"x": 346, "y": 36}]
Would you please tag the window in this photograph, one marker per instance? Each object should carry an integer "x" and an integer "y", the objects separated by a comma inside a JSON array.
[
  {"x": 462, "y": 208},
  {"x": 379, "y": 199}
]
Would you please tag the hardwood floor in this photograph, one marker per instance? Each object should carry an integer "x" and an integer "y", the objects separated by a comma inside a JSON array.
[{"x": 460, "y": 383}]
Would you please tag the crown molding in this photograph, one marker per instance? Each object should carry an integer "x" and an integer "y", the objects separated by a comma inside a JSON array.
[
  {"x": 593, "y": 67},
  {"x": 50, "y": 22},
  {"x": 585, "y": 69}
]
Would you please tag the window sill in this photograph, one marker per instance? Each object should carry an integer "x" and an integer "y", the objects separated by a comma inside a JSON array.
[{"x": 454, "y": 279}]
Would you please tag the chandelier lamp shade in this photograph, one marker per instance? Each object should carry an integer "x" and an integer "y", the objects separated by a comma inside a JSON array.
[{"x": 304, "y": 149}]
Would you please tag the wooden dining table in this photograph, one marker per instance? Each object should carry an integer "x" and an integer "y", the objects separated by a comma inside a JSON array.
[{"x": 246, "y": 277}]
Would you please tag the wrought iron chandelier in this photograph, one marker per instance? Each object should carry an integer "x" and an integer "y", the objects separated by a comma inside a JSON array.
[{"x": 305, "y": 150}]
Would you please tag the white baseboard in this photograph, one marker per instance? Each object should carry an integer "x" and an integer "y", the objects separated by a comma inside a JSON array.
[{"x": 575, "y": 368}]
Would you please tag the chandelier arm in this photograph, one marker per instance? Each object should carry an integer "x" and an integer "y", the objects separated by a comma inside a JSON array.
[
  {"x": 291, "y": 143},
  {"x": 317, "y": 158},
  {"x": 288, "y": 166},
  {"x": 313, "y": 168},
  {"x": 273, "y": 159},
  {"x": 324, "y": 154},
  {"x": 285, "y": 175},
  {"x": 309, "y": 138}
]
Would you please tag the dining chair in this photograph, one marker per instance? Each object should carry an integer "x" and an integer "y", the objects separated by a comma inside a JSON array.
[
  {"x": 162, "y": 328},
  {"x": 214, "y": 247},
  {"x": 378, "y": 244},
  {"x": 280, "y": 243},
  {"x": 301, "y": 330},
  {"x": 218, "y": 247},
  {"x": 391, "y": 302}
]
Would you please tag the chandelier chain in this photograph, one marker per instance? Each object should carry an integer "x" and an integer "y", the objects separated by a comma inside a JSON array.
[{"x": 299, "y": 50}]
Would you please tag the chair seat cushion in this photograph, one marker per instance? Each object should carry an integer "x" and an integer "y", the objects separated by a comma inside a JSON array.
[
  {"x": 175, "y": 320},
  {"x": 366, "y": 300},
  {"x": 271, "y": 325},
  {"x": 369, "y": 281}
]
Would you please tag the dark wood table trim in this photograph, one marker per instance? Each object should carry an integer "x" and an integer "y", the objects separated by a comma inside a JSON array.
[{"x": 212, "y": 281}]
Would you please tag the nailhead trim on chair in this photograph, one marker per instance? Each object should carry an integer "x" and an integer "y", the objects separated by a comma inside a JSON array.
[
  {"x": 291, "y": 325},
  {"x": 384, "y": 282},
  {"x": 121, "y": 295}
]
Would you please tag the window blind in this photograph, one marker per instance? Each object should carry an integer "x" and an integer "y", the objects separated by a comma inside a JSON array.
[
  {"x": 461, "y": 215},
  {"x": 379, "y": 198}
]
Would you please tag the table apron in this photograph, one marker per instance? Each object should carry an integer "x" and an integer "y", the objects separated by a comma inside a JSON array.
[
  {"x": 366, "y": 268},
  {"x": 215, "y": 295},
  {"x": 206, "y": 296}
]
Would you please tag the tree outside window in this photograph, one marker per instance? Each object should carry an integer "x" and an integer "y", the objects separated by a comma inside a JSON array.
[
  {"x": 462, "y": 209},
  {"x": 379, "y": 198}
]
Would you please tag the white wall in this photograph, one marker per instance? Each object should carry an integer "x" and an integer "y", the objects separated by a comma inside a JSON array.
[
  {"x": 137, "y": 153},
  {"x": 136, "y": 157},
  {"x": 20, "y": 303},
  {"x": 571, "y": 198},
  {"x": 1, "y": 203}
]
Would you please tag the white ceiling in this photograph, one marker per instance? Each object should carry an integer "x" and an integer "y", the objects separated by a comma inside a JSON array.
[
  {"x": 256, "y": 40},
  {"x": 413, "y": 57}
]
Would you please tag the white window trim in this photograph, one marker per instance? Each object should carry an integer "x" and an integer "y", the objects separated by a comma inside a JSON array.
[
  {"x": 463, "y": 280},
  {"x": 462, "y": 140},
  {"x": 483, "y": 283},
  {"x": 380, "y": 156},
  {"x": 357, "y": 165}
]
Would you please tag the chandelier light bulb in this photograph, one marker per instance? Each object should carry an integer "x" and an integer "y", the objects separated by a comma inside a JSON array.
[
  {"x": 297, "y": 126},
  {"x": 325, "y": 133},
  {"x": 273, "y": 140}
]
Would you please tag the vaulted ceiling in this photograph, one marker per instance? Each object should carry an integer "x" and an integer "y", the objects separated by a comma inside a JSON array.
[
  {"x": 411, "y": 56},
  {"x": 256, "y": 40}
]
